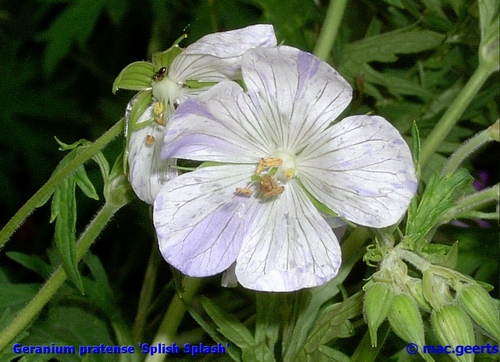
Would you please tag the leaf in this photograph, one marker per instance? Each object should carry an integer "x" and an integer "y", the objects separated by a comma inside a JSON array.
[
  {"x": 333, "y": 322},
  {"x": 289, "y": 18},
  {"x": 74, "y": 24},
  {"x": 83, "y": 182},
  {"x": 436, "y": 200},
  {"x": 31, "y": 262},
  {"x": 228, "y": 325},
  {"x": 384, "y": 47},
  {"x": 135, "y": 76},
  {"x": 327, "y": 354},
  {"x": 165, "y": 58},
  {"x": 63, "y": 211}
]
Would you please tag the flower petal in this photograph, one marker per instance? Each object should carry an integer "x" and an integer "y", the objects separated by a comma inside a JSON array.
[
  {"x": 147, "y": 171},
  {"x": 298, "y": 94},
  {"x": 201, "y": 221},
  {"x": 216, "y": 126},
  {"x": 362, "y": 169},
  {"x": 217, "y": 57},
  {"x": 289, "y": 247}
]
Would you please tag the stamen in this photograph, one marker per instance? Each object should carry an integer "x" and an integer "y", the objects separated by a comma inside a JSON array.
[
  {"x": 289, "y": 173},
  {"x": 150, "y": 140},
  {"x": 269, "y": 187},
  {"x": 268, "y": 162},
  {"x": 245, "y": 191},
  {"x": 158, "y": 108}
]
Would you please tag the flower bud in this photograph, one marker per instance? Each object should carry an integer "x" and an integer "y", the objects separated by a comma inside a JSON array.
[
  {"x": 406, "y": 321},
  {"x": 481, "y": 307},
  {"x": 435, "y": 290},
  {"x": 453, "y": 327},
  {"x": 378, "y": 301}
]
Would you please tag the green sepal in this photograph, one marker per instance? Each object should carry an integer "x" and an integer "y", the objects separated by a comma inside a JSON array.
[
  {"x": 165, "y": 58},
  {"x": 453, "y": 327},
  {"x": 376, "y": 307},
  {"x": 194, "y": 84},
  {"x": 441, "y": 254},
  {"x": 135, "y": 76},
  {"x": 481, "y": 307}
]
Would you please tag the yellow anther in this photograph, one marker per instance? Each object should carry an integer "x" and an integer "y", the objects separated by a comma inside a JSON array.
[
  {"x": 160, "y": 120},
  {"x": 158, "y": 108},
  {"x": 269, "y": 187},
  {"x": 289, "y": 173},
  {"x": 242, "y": 190},
  {"x": 150, "y": 140}
]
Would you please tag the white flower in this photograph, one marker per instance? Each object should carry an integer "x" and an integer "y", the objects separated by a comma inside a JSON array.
[
  {"x": 213, "y": 58},
  {"x": 279, "y": 151}
]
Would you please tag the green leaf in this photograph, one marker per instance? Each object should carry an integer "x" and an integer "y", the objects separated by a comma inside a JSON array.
[
  {"x": 228, "y": 325},
  {"x": 63, "y": 210},
  {"x": 165, "y": 58},
  {"x": 135, "y": 76},
  {"x": 83, "y": 182},
  {"x": 74, "y": 24},
  {"x": 435, "y": 201},
  {"x": 289, "y": 18},
  {"x": 384, "y": 47},
  {"x": 31, "y": 262},
  {"x": 333, "y": 322},
  {"x": 327, "y": 354}
]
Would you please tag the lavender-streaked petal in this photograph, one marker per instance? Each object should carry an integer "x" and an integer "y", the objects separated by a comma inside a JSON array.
[
  {"x": 217, "y": 56},
  {"x": 290, "y": 246},
  {"x": 362, "y": 169},
  {"x": 297, "y": 94},
  {"x": 201, "y": 220}
]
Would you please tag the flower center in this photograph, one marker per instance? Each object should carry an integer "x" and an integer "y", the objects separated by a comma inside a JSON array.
[
  {"x": 286, "y": 169},
  {"x": 279, "y": 168},
  {"x": 166, "y": 90}
]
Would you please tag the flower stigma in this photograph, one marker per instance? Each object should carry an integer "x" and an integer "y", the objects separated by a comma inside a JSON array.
[{"x": 166, "y": 90}]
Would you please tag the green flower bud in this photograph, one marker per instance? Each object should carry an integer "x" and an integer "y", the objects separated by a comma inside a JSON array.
[
  {"x": 414, "y": 288},
  {"x": 435, "y": 290},
  {"x": 406, "y": 321},
  {"x": 481, "y": 307},
  {"x": 453, "y": 327},
  {"x": 378, "y": 301},
  {"x": 117, "y": 189}
]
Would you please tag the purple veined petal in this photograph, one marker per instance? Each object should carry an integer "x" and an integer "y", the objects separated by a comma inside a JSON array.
[
  {"x": 217, "y": 57},
  {"x": 362, "y": 169},
  {"x": 201, "y": 220},
  {"x": 299, "y": 94},
  {"x": 147, "y": 170},
  {"x": 217, "y": 126},
  {"x": 290, "y": 246}
]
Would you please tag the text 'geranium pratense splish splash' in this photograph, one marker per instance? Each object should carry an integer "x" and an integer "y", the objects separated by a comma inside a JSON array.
[
  {"x": 278, "y": 154},
  {"x": 173, "y": 76}
]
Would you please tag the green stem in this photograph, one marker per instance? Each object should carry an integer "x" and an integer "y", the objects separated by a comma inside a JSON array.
[
  {"x": 46, "y": 190},
  {"x": 330, "y": 28},
  {"x": 173, "y": 317},
  {"x": 467, "y": 148},
  {"x": 146, "y": 295},
  {"x": 454, "y": 111},
  {"x": 26, "y": 315},
  {"x": 472, "y": 202}
]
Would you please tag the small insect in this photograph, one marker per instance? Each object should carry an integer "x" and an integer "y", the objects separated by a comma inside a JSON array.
[
  {"x": 150, "y": 140},
  {"x": 269, "y": 187},
  {"x": 159, "y": 74},
  {"x": 244, "y": 191}
]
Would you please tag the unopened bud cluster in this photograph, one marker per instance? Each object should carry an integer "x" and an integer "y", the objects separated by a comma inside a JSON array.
[{"x": 453, "y": 303}]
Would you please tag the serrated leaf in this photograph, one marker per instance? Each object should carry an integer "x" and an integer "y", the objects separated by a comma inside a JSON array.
[
  {"x": 333, "y": 322},
  {"x": 436, "y": 200},
  {"x": 135, "y": 76},
  {"x": 228, "y": 325},
  {"x": 384, "y": 47}
]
